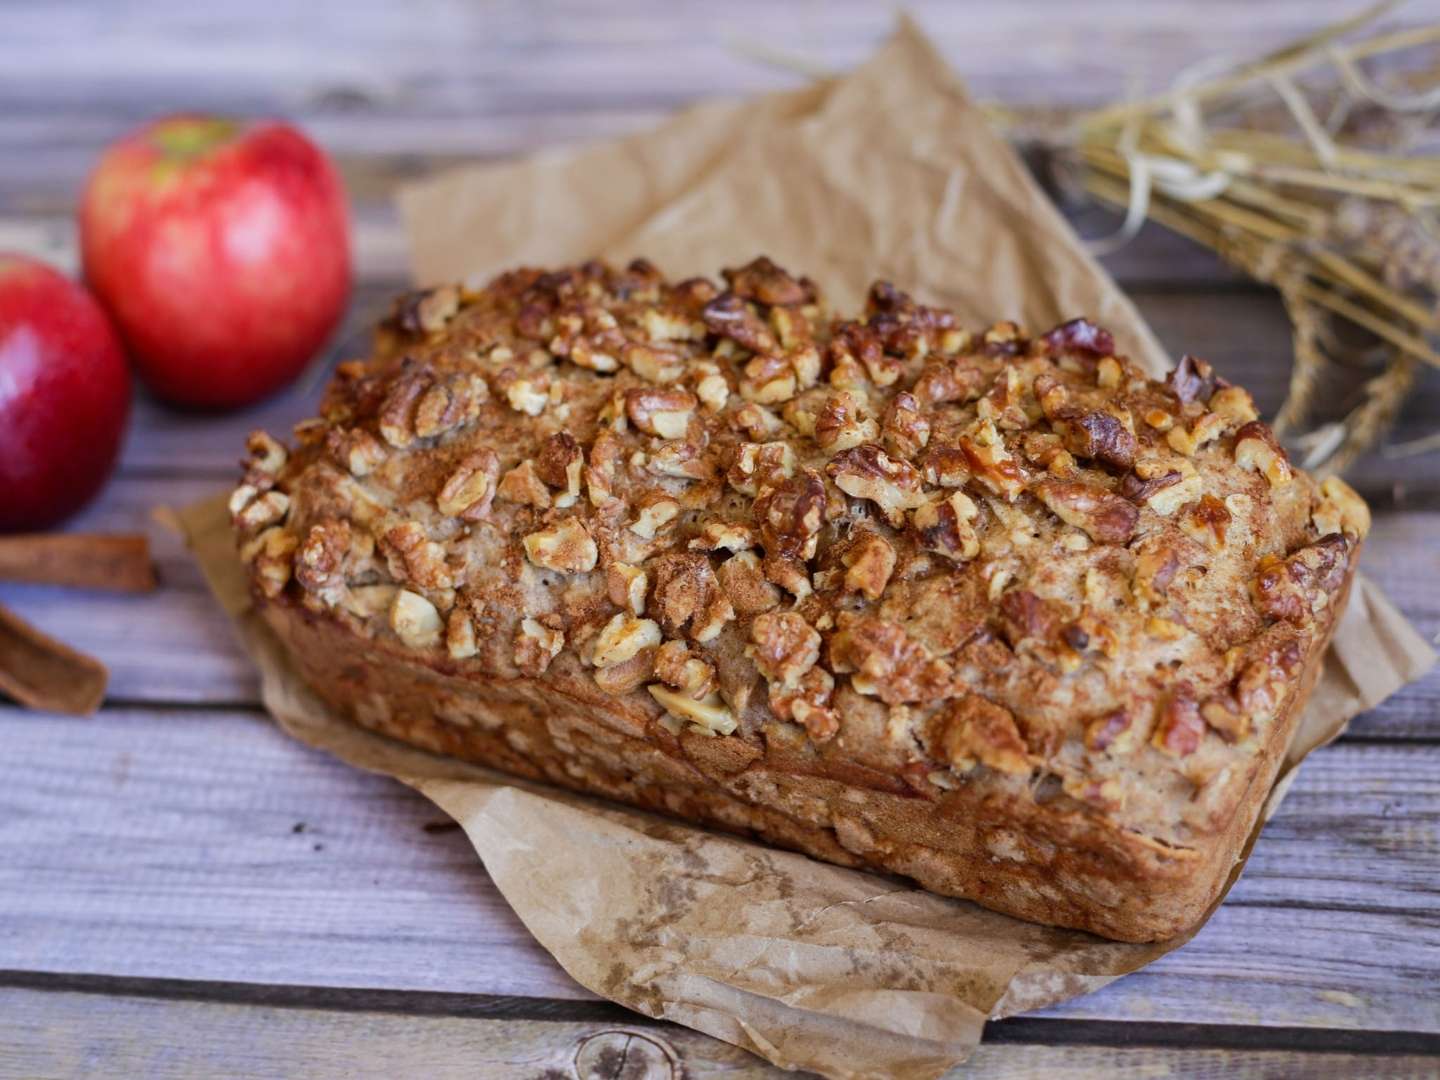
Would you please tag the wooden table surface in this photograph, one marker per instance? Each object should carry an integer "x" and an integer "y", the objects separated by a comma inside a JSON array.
[{"x": 184, "y": 891}]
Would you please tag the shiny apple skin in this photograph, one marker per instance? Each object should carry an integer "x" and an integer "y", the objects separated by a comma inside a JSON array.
[
  {"x": 64, "y": 395},
  {"x": 221, "y": 249}
]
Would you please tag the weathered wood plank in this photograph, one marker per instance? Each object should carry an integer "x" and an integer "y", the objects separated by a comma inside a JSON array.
[
  {"x": 454, "y": 57},
  {"x": 63, "y": 1034},
  {"x": 164, "y": 845}
]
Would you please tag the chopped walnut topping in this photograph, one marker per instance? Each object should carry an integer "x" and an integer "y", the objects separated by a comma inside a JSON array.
[
  {"x": 427, "y": 311},
  {"x": 1257, "y": 450},
  {"x": 397, "y": 412},
  {"x": 765, "y": 283},
  {"x": 559, "y": 464},
  {"x": 761, "y": 465},
  {"x": 723, "y": 536},
  {"x": 729, "y": 316},
  {"x": 460, "y": 640},
  {"x": 681, "y": 669},
  {"x": 358, "y": 451},
  {"x": 712, "y": 389},
  {"x": 661, "y": 325},
  {"x": 252, "y": 512},
  {"x": 627, "y": 586},
  {"x": 1298, "y": 587},
  {"x": 1192, "y": 380},
  {"x": 709, "y": 714},
  {"x": 972, "y": 729},
  {"x": 522, "y": 485},
  {"x": 808, "y": 703},
  {"x": 1079, "y": 336},
  {"x": 907, "y": 431},
  {"x": 662, "y": 411},
  {"x": 536, "y": 645},
  {"x": 269, "y": 554},
  {"x": 1104, "y": 516},
  {"x": 989, "y": 461},
  {"x": 790, "y": 516},
  {"x": 448, "y": 405},
  {"x": 841, "y": 425},
  {"x": 622, "y": 638},
  {"x": 1109, "y": 373},
  {"x": 1026, "y": 617},
  {"x": 687, "y": 598},
  {"x": 656, "y": 365},
  {"x": 656, "y": 511},
  {"x": 320, "y": 559},
  {"x": 784, "y": 647},
  {"x": 1340, "y": 510},
  {"x": 469, "y": 490},
  {"x": 945, "y": 526},
  {"x": 1189, "y": 440},
  {"x": 565, "y": 547},
  {"x": 869, "y": 562},
  {"x": 415, "y": 558},
  {"x": 415, "y": 620},
  {"x": 1102, "y": 436},
  {"x": 868, "y": 472},
  {"x": 1181, "y": 728},
  {"x": 267, "y": 456},
  {"x": 527, "y": 396},
  {"x": 1207, "y": 521},
  {"x": 745, "y": 586},
  {"x": 1113, "y": 732},
  {"x": 886, "y": 661},
  {"x": 1235, "y": 404}
]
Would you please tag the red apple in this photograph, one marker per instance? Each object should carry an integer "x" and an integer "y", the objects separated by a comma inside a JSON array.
[
  {"x": 222, "y": 250},
  {"x": 64, "y": 395}
]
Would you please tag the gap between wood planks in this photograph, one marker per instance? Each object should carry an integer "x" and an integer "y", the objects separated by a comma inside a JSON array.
[{"x": 1021, "y": 1030}]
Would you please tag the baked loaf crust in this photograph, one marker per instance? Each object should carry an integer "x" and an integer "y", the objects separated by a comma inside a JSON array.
[{"x": 993, "y": 611}]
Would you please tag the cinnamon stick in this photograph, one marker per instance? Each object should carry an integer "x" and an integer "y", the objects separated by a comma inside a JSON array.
[
  {"x": 81, "y": 560},
  {"x": 42, "y": 673}
]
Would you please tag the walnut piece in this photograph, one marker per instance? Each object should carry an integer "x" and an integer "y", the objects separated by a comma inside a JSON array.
[
  {"x": 415, "y": 620},
  {"x": 869, "y": 561},
  {"x": 536, "y": 644},
  {"x": 868, "y": 472},
  {"x": 946, "y": 526},
  {"x": 1257, "y": 450},
  {"x": 709, "y": 714},
  {"x": 469, "y": 490},
  {"x": 1340, "y": 510},
  {"x": 662, "y": 411},
  {"x": 784, "y": 647},
  {"x": 622, "y": 638},
  {"x": 972, "y": 729},
  {"x": 565, "y": 547},
  {"x": 1181, "y": 727},
  {"x": 1105, "y": 517}
]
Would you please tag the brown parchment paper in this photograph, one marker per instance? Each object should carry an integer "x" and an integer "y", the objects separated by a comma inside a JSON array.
[{"x": 888, "y": 172}]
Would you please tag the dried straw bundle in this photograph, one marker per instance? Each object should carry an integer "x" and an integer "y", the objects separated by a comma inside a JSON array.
[{"x": 1327, "y": 188}]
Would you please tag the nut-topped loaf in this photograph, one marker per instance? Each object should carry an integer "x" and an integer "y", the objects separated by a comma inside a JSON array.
[{"x": 991, "y": 610}]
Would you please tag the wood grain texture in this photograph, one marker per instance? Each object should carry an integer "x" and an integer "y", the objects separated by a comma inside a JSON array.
[
  {"x": 73, "y": 1035},
  {"x": 206, "y": 845},
  {"x": 179, "y": 836}
]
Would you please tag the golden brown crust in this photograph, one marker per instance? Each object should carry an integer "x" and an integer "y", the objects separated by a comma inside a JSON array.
[{"x": 995, "y": 612}]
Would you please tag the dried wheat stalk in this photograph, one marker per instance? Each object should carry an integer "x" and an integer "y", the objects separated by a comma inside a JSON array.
[{"x": 1322, "y": 187}]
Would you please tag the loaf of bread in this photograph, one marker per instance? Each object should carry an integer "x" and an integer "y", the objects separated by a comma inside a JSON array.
[{"x": 993, "y": 611}]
